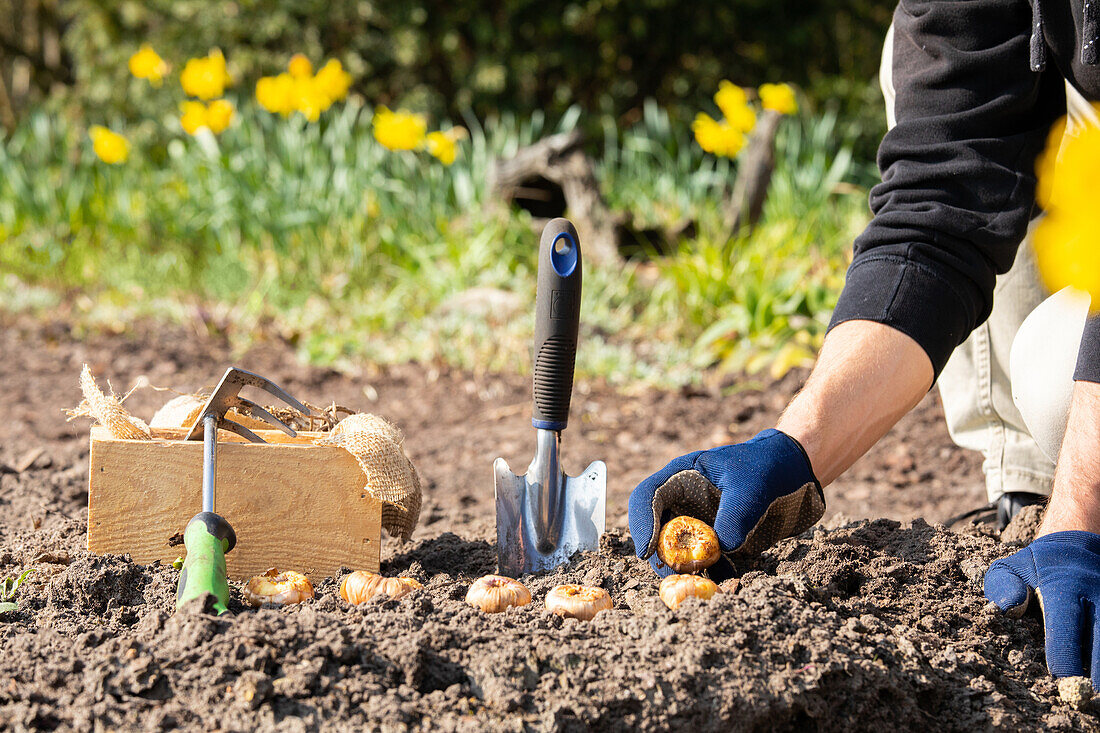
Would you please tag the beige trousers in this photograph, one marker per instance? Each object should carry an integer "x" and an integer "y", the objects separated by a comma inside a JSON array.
[{"x": 996, "y": 397}]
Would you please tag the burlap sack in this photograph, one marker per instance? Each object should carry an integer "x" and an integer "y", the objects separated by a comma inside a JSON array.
[
  {"x": 107, "y": 410},
  {"x": 391, "y": 478}
]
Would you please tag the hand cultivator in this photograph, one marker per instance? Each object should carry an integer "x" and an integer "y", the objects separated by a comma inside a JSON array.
[
  {"x": 209, "y": 536},
  {"x": 544, "y": 516}
]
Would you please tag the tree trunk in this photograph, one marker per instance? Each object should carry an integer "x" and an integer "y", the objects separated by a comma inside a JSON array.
[
  {"x": 561, "y": 160},
  {"x": 750, "y": 191}
]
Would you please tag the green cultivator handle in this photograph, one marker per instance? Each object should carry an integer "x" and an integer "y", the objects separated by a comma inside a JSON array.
[{"x": 207, "y": 538}]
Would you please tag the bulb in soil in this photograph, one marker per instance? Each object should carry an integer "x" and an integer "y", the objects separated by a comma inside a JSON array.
[
  {"x": 688, "y": 545},
  {"x": 361, "y": 586},
  {"x": 577, "y": 601},
  {"x": 278, "y": 588},
  {"x": 676, "y": 588},
  {"x": 495, "y": 593}
]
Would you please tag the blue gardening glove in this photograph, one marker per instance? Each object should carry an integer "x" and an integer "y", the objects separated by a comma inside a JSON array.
[
  {"x": 1063, "y": 570},
  {"x": 753, "y": 493}
]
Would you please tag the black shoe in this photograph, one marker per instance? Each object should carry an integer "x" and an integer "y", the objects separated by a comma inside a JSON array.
[{"x": 1009, "y": 505}]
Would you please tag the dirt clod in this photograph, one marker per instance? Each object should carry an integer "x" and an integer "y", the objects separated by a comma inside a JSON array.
[
  {"x": 1076, "y": 692},
  {"x": 1024, "y": 526}
]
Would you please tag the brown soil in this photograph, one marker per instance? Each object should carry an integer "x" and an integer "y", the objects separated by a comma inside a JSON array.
[{"x": 856, "y": 625}]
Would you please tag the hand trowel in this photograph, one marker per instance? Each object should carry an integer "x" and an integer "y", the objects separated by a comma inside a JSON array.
[{"x": 544, "y": 516}]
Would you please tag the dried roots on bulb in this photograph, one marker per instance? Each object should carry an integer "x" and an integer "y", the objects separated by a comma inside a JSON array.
[
  {"x": 688, "y": 545},
  {"x": 577, "y": 601},
  {"x": 361, "y": 586},
  {"x": 496, "y": 593},
  {"x": 675, "y": 589},
  {"x": 278, "y": 588}
]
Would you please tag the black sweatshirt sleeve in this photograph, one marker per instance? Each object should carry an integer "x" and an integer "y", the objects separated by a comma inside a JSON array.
[
  {"x": 958, "y": 178},
  {"x": 1088, "y": 356}
]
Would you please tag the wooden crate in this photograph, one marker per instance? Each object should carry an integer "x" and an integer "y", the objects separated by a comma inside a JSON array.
[{"x": 294, "y": 505}]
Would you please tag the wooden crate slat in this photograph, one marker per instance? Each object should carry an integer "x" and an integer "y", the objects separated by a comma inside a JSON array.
[{"x": 293, "y": 505}]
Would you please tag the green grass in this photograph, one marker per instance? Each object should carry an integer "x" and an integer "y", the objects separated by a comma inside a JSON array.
[{"x": 355, "y": 253}]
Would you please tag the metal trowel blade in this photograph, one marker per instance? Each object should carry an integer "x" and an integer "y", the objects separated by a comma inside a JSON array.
[{"x": 578, "y": 519}]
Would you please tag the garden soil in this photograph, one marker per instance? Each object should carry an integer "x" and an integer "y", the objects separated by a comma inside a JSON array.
[{"x": 873, "y": 618}]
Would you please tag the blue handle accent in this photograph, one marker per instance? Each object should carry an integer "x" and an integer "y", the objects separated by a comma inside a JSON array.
[
  {"x": 565, "y": 261},
  {"x": 548, "y": 425}
]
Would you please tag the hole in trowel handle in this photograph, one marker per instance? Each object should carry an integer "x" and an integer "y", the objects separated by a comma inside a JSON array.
[{"x": 563, "y": 255}]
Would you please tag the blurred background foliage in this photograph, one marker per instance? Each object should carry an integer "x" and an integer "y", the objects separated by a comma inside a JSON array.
[
  {"x": 315, "y": 233},
  {"x": 449, "y": 58}
]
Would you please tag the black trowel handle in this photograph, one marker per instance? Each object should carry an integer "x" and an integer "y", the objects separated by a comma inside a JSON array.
[{"x": 557, "y": 315}]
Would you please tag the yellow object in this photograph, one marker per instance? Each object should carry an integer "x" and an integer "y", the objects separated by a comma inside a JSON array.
[
  {"x": 218, "y": 115},
  {"x": 778, "y": 97},
  {"x": 361, "y": 586},
  {"x": 577, "y": 601},
  {"x": 688, "y": 545},
  {"x": 145, "y": 63},
  {"x": 1067, "y": 238},
  {"x": 333, "y": 81},
  {"x": 299, "y": 66},
  {"x": 401, "y": 130},
  {"x": 309, "y": 99},
  {"x": 719, "y": 138},
  {"x": 193, "y": 116},
  {"x": 215, "y": 117},
  {"x": 444, "y": 145},
  {"x": 205, "y": 77},
  {"x": 298, "y": 90},
  {"x": 276, "y": 94},
  {"x": 278, "y": 588},
  {"x": 109, "y": 146},
  {"x": 734, "y": 104},
  {"x": 675, "y": 589},
  {"x": 496, "y": 593}
]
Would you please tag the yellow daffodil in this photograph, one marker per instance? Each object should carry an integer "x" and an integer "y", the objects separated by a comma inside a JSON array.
[
  {"x": 308, "y": 98},
  {"x": 109, "y": 146},
  {"x": 298, "y": 90},
  {"x": 206, "y": 77},
  {"x": 276, "y": 94},
  {"x": 719, "y": 138},
  {"x": 299, "y": 66},
  {"x": 215, "y": 117},
  {"x": 333, "y": 81},
  {"x": 193, "y": 116},
  {"x": 734, "y": 104},
  {"x": 401, "y": 130},
  {"x": 443, "y": 145},
  {"x": 730, "y": 98},
  {"x": 218, "y": 115},
  {"x": 147, "y": 64},
  {"x": 742, "y": 118},
  {"x": 778, "y": 97},
  {"x": 1067, "y": 239}
]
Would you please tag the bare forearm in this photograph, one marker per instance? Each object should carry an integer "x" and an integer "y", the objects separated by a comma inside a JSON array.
[
  {"x": 1075, "y": 501},
  {"x": 867, "y": 377}
]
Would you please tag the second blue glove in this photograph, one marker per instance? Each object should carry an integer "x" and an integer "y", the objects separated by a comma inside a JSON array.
[{"x": 1063, "y": 570}]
